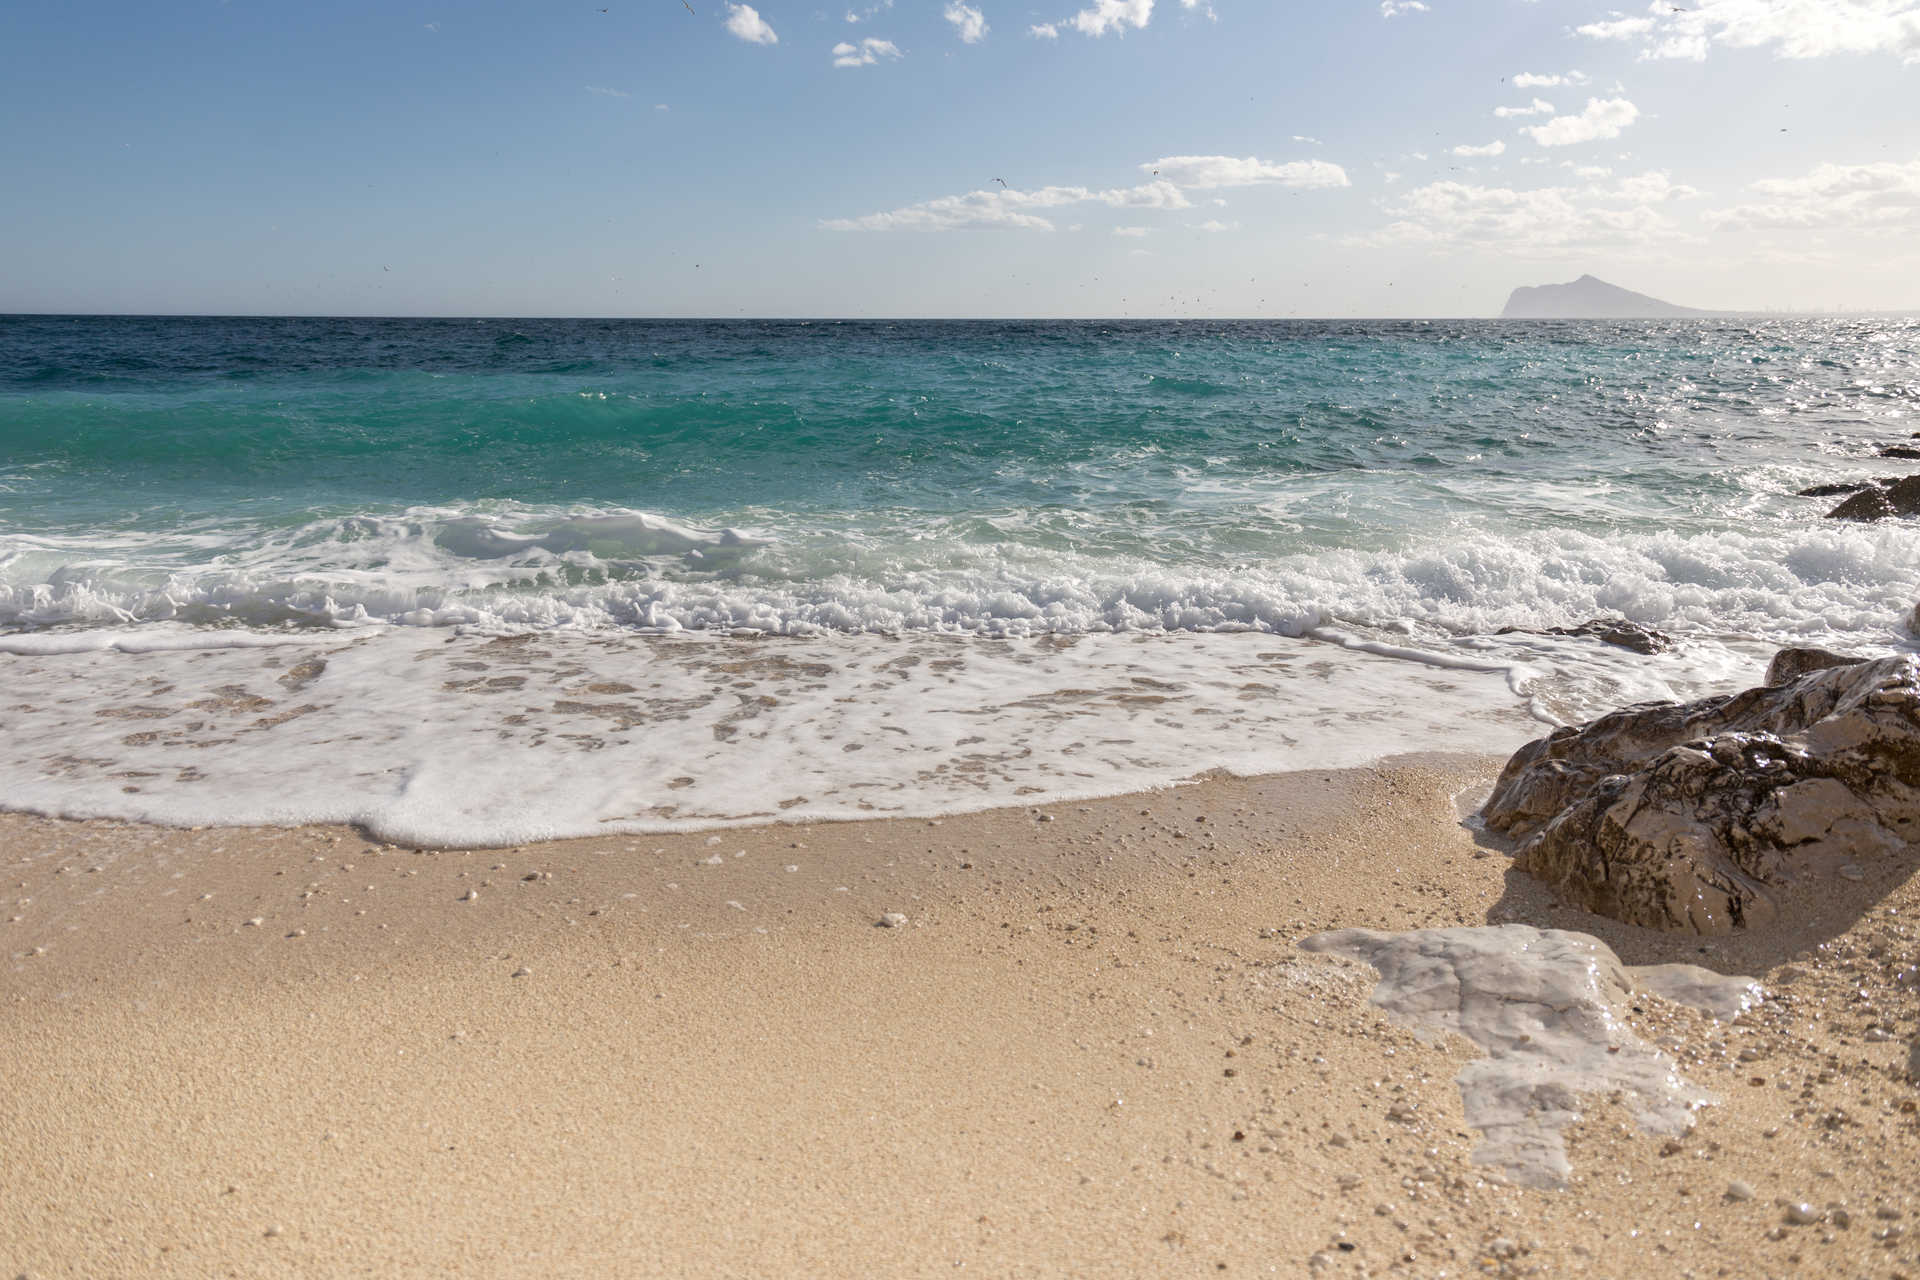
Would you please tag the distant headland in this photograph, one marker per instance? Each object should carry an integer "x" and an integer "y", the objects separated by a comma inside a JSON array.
[{"x": 1589, "y": 299}]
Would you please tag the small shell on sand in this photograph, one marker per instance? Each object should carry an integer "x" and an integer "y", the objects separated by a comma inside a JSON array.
[
  {"x": 892, "y": 920},
  {"x": 523, "y": 972}
]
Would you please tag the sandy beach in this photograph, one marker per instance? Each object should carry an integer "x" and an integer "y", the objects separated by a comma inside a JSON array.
[{"x": 1092, "y": 1048}]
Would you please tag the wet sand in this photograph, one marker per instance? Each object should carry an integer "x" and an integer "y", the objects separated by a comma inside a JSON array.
[{"x": 1092, "y": 1048}]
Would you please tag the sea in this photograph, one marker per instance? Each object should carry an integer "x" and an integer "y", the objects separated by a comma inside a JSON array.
[{"x": 484, "y": 581}]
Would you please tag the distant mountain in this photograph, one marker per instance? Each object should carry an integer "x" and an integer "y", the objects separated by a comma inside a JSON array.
[{"x": 1588, "y": 299}]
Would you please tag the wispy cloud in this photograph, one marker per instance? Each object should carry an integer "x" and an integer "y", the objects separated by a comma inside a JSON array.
[
  {"x": 1494, "y": 148},
  {"x": 1792, "y": 28},
  {"x": 608, "y": 93},
  {"x": 1883, "y": 195},
  {"x": 864, "y": 54},
  {"x": 1215, "y": 226},
  {"x": 1134, "y": 233},
  {"x": 968, "y": 21},
  {"x": 1169, "y": 180},
  {"x": 1548, "y": 80},
  {"x": 1044, "y": 31},
  {"x": 1536, "y": 108},
  {"x": 1538, "y": 222},
  {"x": 745, "y": 22},
  {"x": 1207, "y": 172},
  {"x": 1394, "y": 8},
  {"x": 1600, "y": 118},
  {"x": 1008, "y": 207},
  {"x": 861, "y": 15}
]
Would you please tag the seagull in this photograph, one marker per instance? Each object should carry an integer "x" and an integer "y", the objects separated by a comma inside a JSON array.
[
  {"x": 1001, "y": 181},
  {"x": 689, "y": 8}
]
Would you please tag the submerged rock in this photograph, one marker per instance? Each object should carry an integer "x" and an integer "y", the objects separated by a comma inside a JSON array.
[
  {"x": 1900, "y": 451},
  {"x": 1614, "y": 631},
  {"x": 1836, "y": 489},
  {"x": 1901, "y": 498},
  {"x": 1698, "y": 815},
  {"x": 1789, "y": 665}
]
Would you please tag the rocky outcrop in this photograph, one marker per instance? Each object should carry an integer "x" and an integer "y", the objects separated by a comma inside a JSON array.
[
  {"x": 1614, "y": 631},
  {"x": 1900, "y": 498},
  {"x": 1900, "y": 451},
  {"x": 1700, "y": 815}
]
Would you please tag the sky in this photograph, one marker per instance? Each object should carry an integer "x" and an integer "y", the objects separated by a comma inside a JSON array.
[{"x": 997, "y": 158}]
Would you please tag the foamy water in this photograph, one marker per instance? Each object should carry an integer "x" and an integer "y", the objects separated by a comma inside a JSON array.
[
  {"x": 712, "y": 573},
  {"x": 438, "y": 738}
]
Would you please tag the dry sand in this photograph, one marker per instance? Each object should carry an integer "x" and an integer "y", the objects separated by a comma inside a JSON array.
[{"x": 1092, "y": 1049}]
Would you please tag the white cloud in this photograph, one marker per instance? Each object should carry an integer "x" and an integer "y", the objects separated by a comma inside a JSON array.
[
  {"x": 1215, "y": 225},
  {"x": 1493, "y": 148},
  {"x": 1589, "y": 171},
  {"x": 1112, "y": 15},
  {"x": 431, "y": 26},
  {"x": 1883, "y": 195},
  {"x": 1206, "y": 172},
  {"x": 861, "y": 15},
  {"x": 1600, "y": 118},
  {"x": 1312, "y": 142},
  {"x": 1530, "y": 80},
  {"x": 745, "y": 21},
  {"x": 1394, "y": 8},
  {"x": 864, "y": 54},
  {"x": 1794, "y": 28},
  {"x": 661, "y": 106},
  {"x": 1134, "y": 233},
  {"x": 968, "y": 21},
  {"x": 1537, "y": 108},
  {"x": 1617, "y": 27},
  {"x": 608, "y": 93},
  {"x": 1044, "y": 31}
]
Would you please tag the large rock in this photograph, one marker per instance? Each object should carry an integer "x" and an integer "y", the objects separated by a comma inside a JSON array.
[
  {"x": 1901, "y": 498},
  {"x": 1700, "y": 815}
]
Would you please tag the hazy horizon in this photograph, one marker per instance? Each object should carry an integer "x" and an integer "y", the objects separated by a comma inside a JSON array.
[{"x": 939, "y": 159}]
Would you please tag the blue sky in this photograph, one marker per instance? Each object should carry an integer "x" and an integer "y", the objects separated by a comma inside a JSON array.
[{"x": 934, "y": 158}]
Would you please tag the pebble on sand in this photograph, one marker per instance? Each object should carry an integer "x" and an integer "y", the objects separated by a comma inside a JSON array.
[
  {"x": 1738, "y": 1190},
  {"x": 893, "y": 920},
  {"x": 523, "y": 972}
]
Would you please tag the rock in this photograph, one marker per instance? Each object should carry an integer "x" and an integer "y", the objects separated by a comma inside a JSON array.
[
  {"x": 1900, "y": 451},
  {"x": 1614, "y": 631},
  {"x": 1802, "y": 1214},
  {"x": 892, "y": 920},
  {"x": 1737, "y": 1190},
  {"x": 1901, "y": 498},
  {"x": 1696, "y": 815},
  {"x": 1789, "y": 665},
  {"x": 1836, "y": 489}
]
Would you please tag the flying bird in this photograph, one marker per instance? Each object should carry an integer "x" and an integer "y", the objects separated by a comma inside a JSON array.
[
  {"x": 689, "y": 8},
  {"x": 1001, "y": 181}
]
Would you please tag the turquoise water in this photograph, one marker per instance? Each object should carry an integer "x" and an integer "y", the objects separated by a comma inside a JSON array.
[
  {"x": 1451, "y": 477},
  {"x": 488, "y": 581}
]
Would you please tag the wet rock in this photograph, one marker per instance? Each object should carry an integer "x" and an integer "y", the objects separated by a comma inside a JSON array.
[
  {"x": 1900, "y": 451},
  {"x": 1696, "y": 816},
  {"x": 1901, "y": 498},
  {"x": 1614, "y": 631},
  {"x": 1835, "y": 490},
  {"x": 1789, "y": 665}
]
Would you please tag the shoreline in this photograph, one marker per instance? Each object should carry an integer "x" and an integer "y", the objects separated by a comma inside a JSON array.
[{"x": 1093, "y": 1048}]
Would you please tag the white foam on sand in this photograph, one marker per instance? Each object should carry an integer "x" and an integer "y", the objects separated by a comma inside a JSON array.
[
  {"x": 439, "y": 737},
  {"x": 1543, "y": 1005}
]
